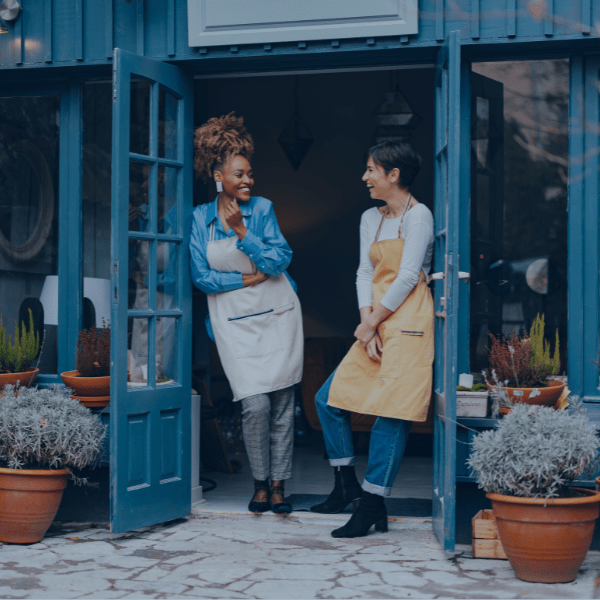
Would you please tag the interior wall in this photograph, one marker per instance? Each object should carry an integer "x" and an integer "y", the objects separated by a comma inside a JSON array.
[{"x": 319, "y": 205}]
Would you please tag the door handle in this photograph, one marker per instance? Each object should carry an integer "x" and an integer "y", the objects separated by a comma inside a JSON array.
[{"x": 441, "y": 276}]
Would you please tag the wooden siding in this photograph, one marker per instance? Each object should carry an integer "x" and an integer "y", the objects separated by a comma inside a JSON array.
[{"x": 79, "y": 32}]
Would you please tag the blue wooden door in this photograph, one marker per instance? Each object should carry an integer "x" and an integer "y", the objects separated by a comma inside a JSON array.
[
  {"x": 151, "y": 293},
  {"x": 447, "y": 195}
]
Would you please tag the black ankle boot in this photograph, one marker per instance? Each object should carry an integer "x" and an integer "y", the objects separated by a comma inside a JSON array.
[
  {"x": 260, "y": 507},
  {"x": 345, "y": 490},
  {"x": 279, "y": 508},
  {"x": 371, "y": 511}
]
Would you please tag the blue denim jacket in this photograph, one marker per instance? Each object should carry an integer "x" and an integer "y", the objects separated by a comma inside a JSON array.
[{"x": 263, "y": 244}]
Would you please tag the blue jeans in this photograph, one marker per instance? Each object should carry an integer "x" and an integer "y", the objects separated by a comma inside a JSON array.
[{"x": 388, "y": 442}]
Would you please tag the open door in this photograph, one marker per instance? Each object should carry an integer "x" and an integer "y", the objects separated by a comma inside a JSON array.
[
  {"x": 150, "y": 414},
  {"x": 447, "y": 194}
]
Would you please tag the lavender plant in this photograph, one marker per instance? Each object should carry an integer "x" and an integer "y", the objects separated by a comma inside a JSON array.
[
  {"x": 536, "y": 452},
  {"x": 47, "y": 429}
]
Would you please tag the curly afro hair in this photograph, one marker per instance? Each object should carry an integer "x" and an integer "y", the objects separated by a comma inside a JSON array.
[{"x": 217, "y": 140}]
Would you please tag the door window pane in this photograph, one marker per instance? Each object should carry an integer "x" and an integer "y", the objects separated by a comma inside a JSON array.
[
  {"x": 29, "y": 153},
  {"x": 166, "y": 275},
  {"x": 139, "y": 118},
  {"x": 139, "y": 209},
  {"x": 139, "y": 256},
  {"x": 137, "y": 362},
  {"x": 167, "y": 200},
  {"x": 166, "y": 349},
  {"x": 168, "y": 113},
  {"x": 519, "y": 201}
]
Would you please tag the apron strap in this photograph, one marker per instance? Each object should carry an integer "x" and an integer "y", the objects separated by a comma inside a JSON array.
[{"x": 401, "y": 220}]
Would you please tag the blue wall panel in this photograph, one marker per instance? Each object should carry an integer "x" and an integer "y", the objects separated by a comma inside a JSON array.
[{"x": 85, "y": 31}]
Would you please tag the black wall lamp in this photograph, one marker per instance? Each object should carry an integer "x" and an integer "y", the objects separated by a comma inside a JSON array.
[{"x": 10, "y": 10}]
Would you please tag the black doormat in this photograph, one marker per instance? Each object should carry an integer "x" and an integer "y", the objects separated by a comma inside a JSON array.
[{"x": 396, "y": 507}]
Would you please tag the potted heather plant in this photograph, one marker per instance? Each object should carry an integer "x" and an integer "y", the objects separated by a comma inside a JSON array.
[
  {"x": 90, "y": 381},
  {"x": 527, "y": 465},
  {"x": 17, "y": 353},
  {"x": 44, "y": 436},
  {"x": 522, "y": 368}
]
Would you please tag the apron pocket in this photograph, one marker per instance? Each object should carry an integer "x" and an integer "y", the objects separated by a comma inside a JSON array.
[{"x": 257, "y": 334}]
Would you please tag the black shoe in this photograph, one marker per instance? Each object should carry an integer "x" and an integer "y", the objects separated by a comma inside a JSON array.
[
  {"x": 371, "y": 511},
  {"x": 259, "y": 507},
  {"x": 346, "y": 490},
  {"x": 280, "y": 508}
]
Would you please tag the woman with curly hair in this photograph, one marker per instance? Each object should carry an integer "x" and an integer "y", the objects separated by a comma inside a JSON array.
[{"x": 239, "y": 259}]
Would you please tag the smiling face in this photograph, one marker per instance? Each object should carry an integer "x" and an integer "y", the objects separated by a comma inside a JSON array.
[
  {"x": 237, "y": 178},
  {"x": 380, "y": 185}
]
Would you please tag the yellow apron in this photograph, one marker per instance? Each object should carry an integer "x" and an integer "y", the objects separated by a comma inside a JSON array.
[{"x": 400, "y": 386}]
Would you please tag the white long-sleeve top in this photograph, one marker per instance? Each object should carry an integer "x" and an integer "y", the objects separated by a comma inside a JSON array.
[{"x": 417, "y": 231}]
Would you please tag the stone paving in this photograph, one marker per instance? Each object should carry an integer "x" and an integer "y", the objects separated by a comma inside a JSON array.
[{"x": 216, "y": 554}]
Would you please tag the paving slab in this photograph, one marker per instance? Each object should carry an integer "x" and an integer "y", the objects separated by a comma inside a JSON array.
[{"x": 234, "y": 554}]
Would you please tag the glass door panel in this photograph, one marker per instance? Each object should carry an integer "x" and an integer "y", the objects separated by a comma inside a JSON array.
[{"x": 519, "y": 170}]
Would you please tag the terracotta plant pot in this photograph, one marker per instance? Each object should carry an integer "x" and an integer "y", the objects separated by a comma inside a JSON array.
[
  {"x": 86, "y": 386},
  {"x": 25, "y": 378},
  {"x": 546, "y": 540},
  {"x": 29, "y": 501},
  {"x": 547, "y": 395},
  {"x": 93, "y": 401}
]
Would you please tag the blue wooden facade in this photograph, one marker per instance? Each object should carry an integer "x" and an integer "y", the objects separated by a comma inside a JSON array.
[{"x": 57, "y": 45}]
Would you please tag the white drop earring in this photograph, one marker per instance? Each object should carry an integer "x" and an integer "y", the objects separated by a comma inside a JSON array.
[{"x": 219, "y": 186}]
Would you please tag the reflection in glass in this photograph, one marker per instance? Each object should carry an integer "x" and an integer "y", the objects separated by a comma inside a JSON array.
[
  {"x": 168, "y": 112},
  {"x": 139, "y": 255},
  {"x": 482, "y": 133},
  {"x": 519, "y": 266},
  {"x": 166, "y": 276},
  {"x": 139, "y": 117},
  {"x": 137, "y": 362},
  {"x": 139, "y": 212},
  {"x": 29, "y": 154},
  {"x": 166, "y": 349},
  {"x": 167, "y": 200}
]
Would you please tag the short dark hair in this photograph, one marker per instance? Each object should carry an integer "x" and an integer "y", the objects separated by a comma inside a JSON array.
[{"x": 396, "y": 155}]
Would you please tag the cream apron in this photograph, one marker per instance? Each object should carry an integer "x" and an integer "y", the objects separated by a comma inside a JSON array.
[
  {"x": 257, "y": 329},
  {"x": 400, "y": 386}
]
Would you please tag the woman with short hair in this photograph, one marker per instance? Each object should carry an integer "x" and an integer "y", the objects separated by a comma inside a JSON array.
[
  {"x": 388, "y": 371},
  {"x": 239, "y": 259}
]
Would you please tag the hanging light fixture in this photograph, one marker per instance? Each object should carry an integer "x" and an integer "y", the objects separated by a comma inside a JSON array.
[
  {"x": 394, "y": 115},
  {"x": 295, "y": 139},
  {"x": 10, "y": 11}
]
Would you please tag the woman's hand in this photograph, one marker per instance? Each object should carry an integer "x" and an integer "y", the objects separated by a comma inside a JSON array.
[
  {"x": 366, "y": 331},
  {"x": 254, "y": 279},
  {"x": 233, "y": 217},
  {"x": 374, "y": 348}
]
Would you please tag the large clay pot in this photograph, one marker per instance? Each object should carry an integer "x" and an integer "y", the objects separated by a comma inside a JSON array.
[
  {"x": 29, "y": 501},
  {"x": 546, "y": 540},
  {"x": 86, "y": 386},
  {"x": 547, "y": 396},
  {"x": 25, "y": 378}
]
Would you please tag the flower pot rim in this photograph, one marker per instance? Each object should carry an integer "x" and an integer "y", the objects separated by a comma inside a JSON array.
[
  {"x": 592, "y": 497},
  {"x": 29, "y": 370},
  {"x": 75, "y": 374},
  {"x": 554, "y": 384},
  {"x": 40, "y": 472}
]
